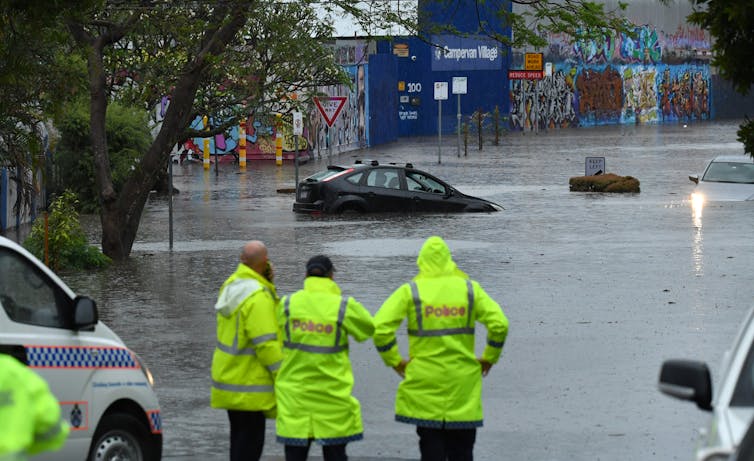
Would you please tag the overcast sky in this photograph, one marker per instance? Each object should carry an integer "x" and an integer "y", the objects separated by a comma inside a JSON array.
[{"x": 345, "y": 27}]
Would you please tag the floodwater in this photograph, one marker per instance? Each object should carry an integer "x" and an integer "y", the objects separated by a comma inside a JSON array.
[{"x": 599, "y": 289}]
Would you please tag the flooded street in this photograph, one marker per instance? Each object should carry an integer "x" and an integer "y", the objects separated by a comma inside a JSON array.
[{"x": 599, "y": 289}]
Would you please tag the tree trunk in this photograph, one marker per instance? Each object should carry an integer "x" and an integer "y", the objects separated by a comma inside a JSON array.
[
  {"x": 121, "y": 218},
  {"x": 109, "y": 217}
]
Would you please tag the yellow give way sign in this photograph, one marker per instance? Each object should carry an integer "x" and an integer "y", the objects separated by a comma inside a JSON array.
[{"x": 533, "y": 61}]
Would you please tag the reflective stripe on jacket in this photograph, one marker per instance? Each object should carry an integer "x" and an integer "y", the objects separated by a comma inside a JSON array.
[
  {"x": 443, "y": 382},
  {"x": 29, "y": 413},
  {"x": 315, "y": 382},
  {"x": 248, "y": 351}
]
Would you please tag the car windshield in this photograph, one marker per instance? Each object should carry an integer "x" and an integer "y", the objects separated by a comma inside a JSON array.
[
  {"x": 423, "y": 183},
  {"x": 735, "y": 172}
]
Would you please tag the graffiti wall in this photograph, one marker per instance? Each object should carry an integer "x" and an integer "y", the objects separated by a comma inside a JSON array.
[
  {"x": 349, "y": 131},
  {"x": 261, "y": 134},
  {"x": 650, "y": 76}
]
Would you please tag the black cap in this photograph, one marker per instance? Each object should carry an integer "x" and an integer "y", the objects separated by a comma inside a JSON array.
[{"x": 319, "y": 266}]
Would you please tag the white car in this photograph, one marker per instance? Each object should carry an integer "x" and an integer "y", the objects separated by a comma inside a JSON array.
[
  {"x": 726, "y": 178},
  {"x": 105, "y": 391},
  {"x": 733, "y": 404}
]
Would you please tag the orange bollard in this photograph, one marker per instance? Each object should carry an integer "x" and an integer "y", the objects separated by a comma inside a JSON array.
[
  {"x": 206, "y": 154},
  {"x": 279, "y": 142},
  {"x": 242, "y": 145}
]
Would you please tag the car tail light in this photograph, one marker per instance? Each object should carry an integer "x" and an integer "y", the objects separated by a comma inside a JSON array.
[{"x": 304, "y": 193}]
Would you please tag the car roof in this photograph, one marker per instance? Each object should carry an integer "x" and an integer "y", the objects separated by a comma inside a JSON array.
[
  {"x": 373, "y": 163},
  {"x": 741, "y": 158}
]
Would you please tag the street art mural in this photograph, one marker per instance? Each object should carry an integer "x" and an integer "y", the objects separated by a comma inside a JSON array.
[
  {"x": 349, "y": 130},
  {"x": 549, "y": 102},
  {"x": 649, "y": 77},
  {"x": 261, "y": 134}
]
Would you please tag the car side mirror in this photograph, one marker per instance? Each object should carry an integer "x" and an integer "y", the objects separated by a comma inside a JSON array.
[
  {"x": 694, "y": 178},
  {"x": 448, "y": 192},
  {"x": 687, "y": 380},
  {"x": 85, "y": 315}
]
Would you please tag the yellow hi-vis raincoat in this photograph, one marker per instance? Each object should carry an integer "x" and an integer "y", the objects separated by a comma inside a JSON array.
[
  {"x": 30, "y": 419},
  {"x": 314, "y": 383},
  {"x": 248, "y": 352},
  {"x": 442, "y": 387}
]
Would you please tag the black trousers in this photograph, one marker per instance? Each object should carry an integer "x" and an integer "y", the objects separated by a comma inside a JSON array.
[
  {"x": 446, "y": 444},
  {"x": 246, "y": 435},
  {"x": 329, "y": 452}
]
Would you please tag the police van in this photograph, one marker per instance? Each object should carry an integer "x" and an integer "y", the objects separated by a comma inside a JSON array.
[
  {"x": 105, "y": 391},
  {"x": 732, "y": 403}
]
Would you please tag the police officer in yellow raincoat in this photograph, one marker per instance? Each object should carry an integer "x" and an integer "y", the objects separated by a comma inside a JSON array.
[
  {"x": 30, "y": 420},
  {"x": 248, "y": 351},
  {"x": 441, "y": 392},
  {"x": 315, "y": 381}
]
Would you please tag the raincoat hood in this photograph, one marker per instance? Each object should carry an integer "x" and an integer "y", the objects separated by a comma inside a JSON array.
[
  {"x": 435, "y": 260},
  {"x": 245, "y": 281}
]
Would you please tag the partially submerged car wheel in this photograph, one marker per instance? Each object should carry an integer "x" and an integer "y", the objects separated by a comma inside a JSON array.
[
  {"x": 121, "y": 437},
  {"x": 350, "y": 208}
]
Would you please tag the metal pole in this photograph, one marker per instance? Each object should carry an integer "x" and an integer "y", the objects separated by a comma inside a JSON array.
[
  {"x": 295, "y": 160},
  {"x": 459, "y": 125},
  {"x": 536, "y": 106},
  {"x": 439, "y": 130},
  {"x": 170, "y": 201},
  {"x": 329, "y": 146}
]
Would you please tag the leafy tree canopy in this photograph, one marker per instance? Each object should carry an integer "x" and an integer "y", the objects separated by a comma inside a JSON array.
[{"x": 731, "y": 24}]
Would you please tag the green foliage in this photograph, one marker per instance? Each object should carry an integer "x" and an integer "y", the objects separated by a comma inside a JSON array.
[
  {"x": 38, "y": 73},
  {"x": 746, "y": 135},
  {"x": 128, "y": 139},
  {"x": 604, "y": 183},
  {"x": 731, "y": 24},
  {"x": 532, "y": 21},
  {"x": 67, "y": 246}
]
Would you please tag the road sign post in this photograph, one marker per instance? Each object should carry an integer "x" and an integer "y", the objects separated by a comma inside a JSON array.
[
  {"x": 459, "y": 88},
  {"x": 441, "y": 94},
  {"x": 594, "y": 166},
  {"x": 298, "y": 130}
]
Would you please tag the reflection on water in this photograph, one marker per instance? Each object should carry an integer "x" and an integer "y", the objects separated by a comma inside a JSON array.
[
  {"x": 697, "y": 205},
  {"x": 388, "y": 248}
]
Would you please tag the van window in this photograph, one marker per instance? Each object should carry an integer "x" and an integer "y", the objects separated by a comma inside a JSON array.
[{"x": 27, "y": 295}]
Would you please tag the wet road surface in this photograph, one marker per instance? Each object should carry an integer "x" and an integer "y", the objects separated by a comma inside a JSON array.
[{"x": 599, "y": 289}]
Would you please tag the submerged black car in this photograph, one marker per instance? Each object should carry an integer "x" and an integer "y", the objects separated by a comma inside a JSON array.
[{"x": 371, "y": 187}]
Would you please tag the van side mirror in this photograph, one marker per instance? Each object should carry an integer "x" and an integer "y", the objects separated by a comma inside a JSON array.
[
  {"x": 694, "y": 178},
  {"x": 85, "y": 315},
  {"x": 687, "y": 380}
]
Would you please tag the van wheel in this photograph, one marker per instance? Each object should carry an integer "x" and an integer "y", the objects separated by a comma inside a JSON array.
[{"x": 120, "y": 437}]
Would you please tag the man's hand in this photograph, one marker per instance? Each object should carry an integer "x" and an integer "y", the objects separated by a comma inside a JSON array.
[
  {"x": 485, "y": 366},
  {"x": 269, "y": 272},
  {"x": 401, "y": 368}
]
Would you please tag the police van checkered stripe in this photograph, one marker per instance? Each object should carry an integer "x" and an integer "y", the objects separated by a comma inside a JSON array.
[
  {"x": 79, "y": 357},
  {"x": 155, "y": 421}
]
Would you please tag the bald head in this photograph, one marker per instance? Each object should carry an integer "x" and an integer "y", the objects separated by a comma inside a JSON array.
[{"x": 254, "y": 255}]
